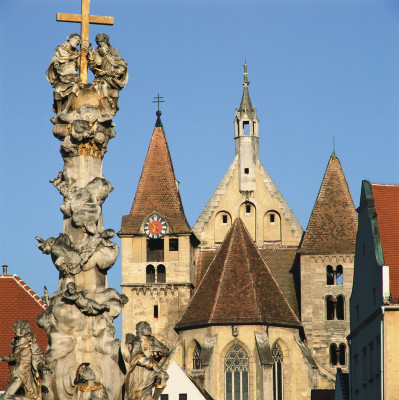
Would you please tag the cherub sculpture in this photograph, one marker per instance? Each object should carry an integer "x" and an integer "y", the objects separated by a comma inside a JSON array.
[
  {"x": 87, "y": 306},
  {"x": 62, "y": 73},
  {"x": 143, "y": 354},
  {"x": 110, "y": 72},
  {"x": 86, "y": 386},
  {"x": 26, "y": 362}
]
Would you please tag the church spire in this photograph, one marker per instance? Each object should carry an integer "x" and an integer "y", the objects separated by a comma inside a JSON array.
[
  {"x": 246, "y": 105},
  {"x": 246, "y": 135}
]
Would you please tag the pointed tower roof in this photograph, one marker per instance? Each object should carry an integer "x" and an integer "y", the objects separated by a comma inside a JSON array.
[
  {"x": 246, "y": 104},
  {"x": 238, "y": 288},
  {"x": 157, "y": 191},
  {"x": 332, "y": 226}
]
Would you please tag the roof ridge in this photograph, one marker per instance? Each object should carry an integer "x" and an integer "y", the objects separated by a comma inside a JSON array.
[
  {"x": 255, "y": 294},
  {"x": 227, "y": 258},
  {"x": 274, "y": 279},
  {"x": 27, "y": 289}
]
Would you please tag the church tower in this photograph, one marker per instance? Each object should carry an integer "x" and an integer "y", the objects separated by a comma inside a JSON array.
[
  {"x": 327, "y": 256},
  {"x": 157, "y": 246},
  {"x": 246, "y": 192}
]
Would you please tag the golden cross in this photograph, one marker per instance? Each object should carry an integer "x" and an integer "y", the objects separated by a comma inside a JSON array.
[{"x": 85, "y": 19}]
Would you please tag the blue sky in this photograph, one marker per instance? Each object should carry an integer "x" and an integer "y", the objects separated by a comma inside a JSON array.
[{"x": 318, "y": 70}]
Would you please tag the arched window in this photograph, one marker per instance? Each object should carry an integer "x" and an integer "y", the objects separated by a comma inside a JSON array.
[
  {"x": 339, "y": 273},
  {"x": 161, "y": 274},
  {"x": 340, "y": 307},
  {"x": 197, "y": 357},
  {"x": 277, "y": 372},
  {"x": 333, "y": 354},
  {"x": 150, "y": 274},
  {"x": 330, "y": 275},
  {"x": 236, "y": 374},
  {"x": 342, "y": 354},
  {"x": 330, "y": 306}
]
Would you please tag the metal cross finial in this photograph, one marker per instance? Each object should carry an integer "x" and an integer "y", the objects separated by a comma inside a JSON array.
[
  {"x": 158, "y": 100},
  {"x": 85, "y": 19}
]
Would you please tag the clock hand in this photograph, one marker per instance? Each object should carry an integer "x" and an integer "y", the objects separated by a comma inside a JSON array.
[{"x": 155, "y": 228}]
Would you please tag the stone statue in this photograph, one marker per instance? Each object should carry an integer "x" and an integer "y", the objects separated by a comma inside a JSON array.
[
  {"x": 62, "y": 73},
  {"x": 143, "y": 354},
  {"x": 87, "y": 306},
  {"x": 26, "y": 364},
  {"x": 110, "y": 72},
  {"x": 64, "y": 253},
  {"x": 86, "y": 386}
]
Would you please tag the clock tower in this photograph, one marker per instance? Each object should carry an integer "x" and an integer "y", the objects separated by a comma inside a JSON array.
[{"x": 158, "y": 247}]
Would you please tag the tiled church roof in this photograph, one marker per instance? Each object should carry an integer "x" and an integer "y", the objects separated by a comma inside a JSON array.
[
  {"x": 333, "y": 224},
  {"x": 386, "y": 202},
  {"x": 157, "y": 190},
  {"x": 17, "y": 301},
  {"x": 238, "y": 288}
]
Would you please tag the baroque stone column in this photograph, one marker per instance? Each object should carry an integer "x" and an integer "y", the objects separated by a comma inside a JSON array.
[{"x": 80, "y": 314}]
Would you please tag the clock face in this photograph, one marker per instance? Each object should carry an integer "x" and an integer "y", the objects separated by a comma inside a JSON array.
[{"x": 155, "y": 227}]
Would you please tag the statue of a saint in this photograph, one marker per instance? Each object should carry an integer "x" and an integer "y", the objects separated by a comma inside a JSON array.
[
  {"x": 144, "y": 372},
  {"x": 87, "y": 306},
  {"x": 110, "y": 72},
  {"x": 62, "y": 73},
  {"x": 86, "y": 386},
  {"x": 26, "y": 363}
]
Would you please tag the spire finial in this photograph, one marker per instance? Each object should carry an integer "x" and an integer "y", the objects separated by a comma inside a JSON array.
[
  {"x": 246, "y": 82},
  {"x": 333, "y": 153},
  {"x": 158, "y": 100}
]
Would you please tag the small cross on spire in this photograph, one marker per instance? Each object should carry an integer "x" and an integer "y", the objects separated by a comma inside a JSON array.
[{"x": 158, "y": 100}]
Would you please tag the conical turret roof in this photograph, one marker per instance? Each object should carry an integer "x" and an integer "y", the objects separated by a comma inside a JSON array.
[
  {"x": 238, "y": 288},
  {"x": 157, "y": 190},
  {"x": 246, "y": 104},
  {"x": 332, "y": 226}
]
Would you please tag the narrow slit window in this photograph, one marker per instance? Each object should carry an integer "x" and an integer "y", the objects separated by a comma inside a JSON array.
[
  {"x": 224, "y": 219},
  {"x": 272, "y": 218},
  {"x": 248, "y": 209},
  {"x": 155, "y": 311},
  {"x": 246, "y": 128},
  {"x": 246, "y": 171}
]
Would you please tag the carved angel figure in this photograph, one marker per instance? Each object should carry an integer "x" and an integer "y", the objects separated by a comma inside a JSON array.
[
  {"x": 87, "y": 306},
  {"x": 110, "y": 72},
  {"x": 27, "y": 364},
  {"x": 62, "y": 73},
  {"x": 144, "y": 353}
]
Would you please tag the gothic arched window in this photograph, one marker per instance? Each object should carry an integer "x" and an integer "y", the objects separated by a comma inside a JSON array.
[
  {"x": 339, "y": 275},
  {"x": 150, "y": 274},
  {"x": 161, "y": 274},
  {"x": 236, "y": 374},
  {"x": 277, "y": 372}
]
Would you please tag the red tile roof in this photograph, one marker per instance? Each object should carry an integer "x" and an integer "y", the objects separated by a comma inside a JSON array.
[
  {"x": 17, "y": 301},
  {"x": 333, "y": 224},
  {"x": 386, "y": 202},
  {"x": 157, "y": 190},
  {"x": 238, "y": 288}
]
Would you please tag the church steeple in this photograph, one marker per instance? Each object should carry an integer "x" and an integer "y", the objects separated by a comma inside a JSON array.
[{"x": 246, "y": 135}]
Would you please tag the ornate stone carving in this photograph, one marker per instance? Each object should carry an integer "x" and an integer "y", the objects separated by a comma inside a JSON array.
[
  {"x": 110, "y": 72},
  {"x": 26, "y": 364},
  {"x": 83, "y": 205},
  {"x": 143, "y": 354},
  {"x": 62, "y": 73},
  {"x": 86, "y": 386}
]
